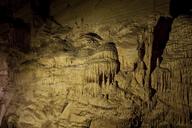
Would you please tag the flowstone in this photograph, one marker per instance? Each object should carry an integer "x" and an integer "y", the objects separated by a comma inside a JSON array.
[
  {"x": 64, "y": 84},
  {"x": 74, "y": 77}
]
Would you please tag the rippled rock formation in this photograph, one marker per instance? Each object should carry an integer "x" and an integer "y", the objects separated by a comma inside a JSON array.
[
  {"x": 131, "y": 74},
  {"x": 172, "y": 76},
  {"x": 63, "y": 85}
]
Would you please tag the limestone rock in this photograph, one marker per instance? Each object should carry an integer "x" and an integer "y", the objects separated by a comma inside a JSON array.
[{"x": 97, "y": 75}]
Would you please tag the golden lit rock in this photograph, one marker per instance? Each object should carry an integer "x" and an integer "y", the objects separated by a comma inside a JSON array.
[{"x": 95, "y": 64}]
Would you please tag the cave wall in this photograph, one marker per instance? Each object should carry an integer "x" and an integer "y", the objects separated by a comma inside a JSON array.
[
  {"x": 172, "y": 79},
  {"x": 5, "y": 97},
  {"x": 129, "y": 68}
]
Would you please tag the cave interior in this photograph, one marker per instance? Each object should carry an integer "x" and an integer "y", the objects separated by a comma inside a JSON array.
[{"x": 95, "y": 64}]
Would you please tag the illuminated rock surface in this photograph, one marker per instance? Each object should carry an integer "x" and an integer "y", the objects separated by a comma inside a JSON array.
[
  {"x": 172, "y": 79},
  {"x": 128, "y": 73}
]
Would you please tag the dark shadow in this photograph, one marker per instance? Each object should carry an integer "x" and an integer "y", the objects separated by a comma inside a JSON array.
[
  {"x": 180, "y": 7},
  {"x": 152, "y": 93},
  {"x": 161, "y": 37},
  {"x": 18, "y": 32},
  {"x": 5, "y": 14},
  {"x": 20, "y": 35},
  {"x": 100, "y": 79},
  {"x": 41, "y": 8}
]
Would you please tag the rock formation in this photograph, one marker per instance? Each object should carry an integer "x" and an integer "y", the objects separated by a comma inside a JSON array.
[
  {"x": 171, "y": 78},
  {"x": 132, "y": 74}
]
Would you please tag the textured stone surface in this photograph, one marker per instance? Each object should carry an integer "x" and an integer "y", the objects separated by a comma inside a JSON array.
[
  {"x": 172, "y": 79},
  {"x": 82, "y": 80},
  {"x": 69, "y": 83},
  {"x": 5, "y": 95},
  {"x": 89, "y": 75}
]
